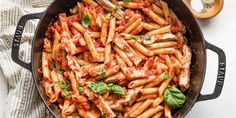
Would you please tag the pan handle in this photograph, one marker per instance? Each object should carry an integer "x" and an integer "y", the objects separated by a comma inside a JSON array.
[
  {"x": 220, "y": 75},
  {"x": 17, "y": 39}
]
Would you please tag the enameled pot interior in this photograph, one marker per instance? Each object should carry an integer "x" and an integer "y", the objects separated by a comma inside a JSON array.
[{"x": 193, "y": 34}]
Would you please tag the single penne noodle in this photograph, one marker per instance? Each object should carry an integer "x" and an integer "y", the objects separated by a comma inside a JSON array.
[
  {"x": 104, "y": 29},
  {"x": 156, "y": 81},
  {"x": 95, "y": 34},
  {"x": 115, "y": 78},
  {"x": 79, "y": 27},
  {"x": 132, "y": 19},
  {"x": 157, "y": 101},
  {"x": 150, "y": 26},
  {"x": 100, "y": 49},
  {"x": 145, "y": 97},
  {"x": 166, "y": 11},
  {"x": 140, "y": 48},
  {"x": 163, "y": 66},
  {"x": 120, "y": 61},
  {"x": 162, "y": 30},
  {"x": 133, "y": 26},
  {"x": 169, "y": 63},
  {"x": 157, "y": 10},
  {"x": 111, "y": 33},
  {"x": 56, "y": 87},
  {"x": 129, "y": 36},
  {"x": 73, "y": 82},
  {"x": 138, "y": 29},
  {"x": 164, "y": 51},
  {"x": 90, "y": 2},
  {"x": 91, "y": 46},
  {"x": 158, "y": 115},
  {"x": 140, "y": 82},
  {"x": 131, "y": 5},
  {"x": 82, "y": 62},
  {"x": 107, "y": 53},
  {"x": 142, "y": 56},
  {"x": 124, "y": 56},
  {"x": 133, "y": 107},
  {"x": 167, "y": 111},
  {"x": 145, "y": 91},
  {"x": 179, "y": 56},
  {"x": 111, "y": 71},
  {"x": 141, "y": 108},
  {"x": 154, "y": 16},
  {"x": 161, "y": 45},
  {"x": 164, "y": 85},
  {"x": 148, "y": 113}
]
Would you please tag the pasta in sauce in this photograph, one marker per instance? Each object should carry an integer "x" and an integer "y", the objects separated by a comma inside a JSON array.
[{"x": 116, "y": 59}]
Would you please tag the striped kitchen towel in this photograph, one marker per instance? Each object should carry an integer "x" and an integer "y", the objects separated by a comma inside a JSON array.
[{"x": 22, "y": 100}]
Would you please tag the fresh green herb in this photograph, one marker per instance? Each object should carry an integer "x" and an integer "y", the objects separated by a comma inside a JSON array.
[
  {"x": 126, "y": 1},
  {"x": 61, "y": 72},
  {"x": 101, "y": 87},
  {"x": 132, "y": 37},
  {"x": 118, "y": 8},
  {"x": 86, "y": 19},
  {"x": 81, "y": 89},
  {"x": 98, "y": 87},
  {"x": 174, "y": 97},
  {"x": 116, "y": 89},
  {"x": 64, "y": 86},
  {"x": 102, "y": 73},
  {"x": 102, "y": 114},
  {"x": 166, "y": 76}
]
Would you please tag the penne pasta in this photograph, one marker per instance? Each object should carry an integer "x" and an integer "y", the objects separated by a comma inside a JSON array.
[
  {"x": 141, "y": 108},
  {"x": 124, "y": 56},
  {"x": 140, "y": 48},
  {"x": 154, "y": 16},
  {"x": 91, "y": 46},
  {"x": 150, "y": 112},
  {"x": 116, "y": 59},
  {"x": 162, "y": 30}
]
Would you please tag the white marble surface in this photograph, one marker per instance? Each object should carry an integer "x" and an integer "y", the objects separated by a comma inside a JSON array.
[{"x": 220, "y": 31}]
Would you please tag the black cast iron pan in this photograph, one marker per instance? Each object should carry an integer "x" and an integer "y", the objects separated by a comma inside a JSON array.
[{"x": 194, "y": 35}]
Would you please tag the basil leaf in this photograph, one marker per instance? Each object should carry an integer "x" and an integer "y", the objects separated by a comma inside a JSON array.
[
  {"x": 118, "y": 8},
  {"x": 126, "y": 0},
  {"x": 174, "y": 97},
  {"x": 81, "y": 89},
  {"x": 98, "y": 87},
  {"x": 132, "y": 37},
  {"x": 61, "y": 72},
  {"x": 166, "y": 76},
  {"x": 116, "y": 89},
  {"x": 64, "y": 86},
  {"x": 86, "y": 19},
  {"x": 102, "y": 73}
]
